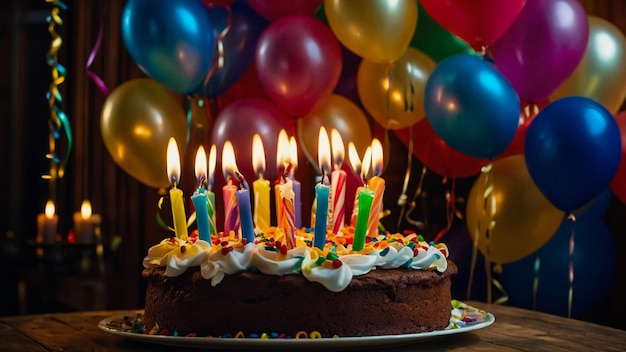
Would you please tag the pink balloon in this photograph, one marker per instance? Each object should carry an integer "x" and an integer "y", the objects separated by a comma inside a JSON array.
[
  {"x": 543, "y": 47},
  {"x": 298, "y": 61},
  {"x": 238, "y": 123},
  {"x": 618, "y": 184},
  {"x": 479, "y": 22},
  {"x": 275, "y": 9}
]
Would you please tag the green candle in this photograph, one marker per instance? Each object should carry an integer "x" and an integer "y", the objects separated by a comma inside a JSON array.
[{"x": 366, "y": 196}]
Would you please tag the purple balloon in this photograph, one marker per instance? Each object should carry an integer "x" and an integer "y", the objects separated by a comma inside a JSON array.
[{"x": 543, "y": 47}]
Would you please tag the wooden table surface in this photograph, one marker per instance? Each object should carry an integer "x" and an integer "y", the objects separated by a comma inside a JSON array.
[{"x": 514, "y": 329}]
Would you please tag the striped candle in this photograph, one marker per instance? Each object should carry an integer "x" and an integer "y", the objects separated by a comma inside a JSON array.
[
  {"x": 338, "y": 183},
  {"x": 287, "y": 220},
  {"x": 376, "y": 184},
  {"x": 229, "y": 191}
]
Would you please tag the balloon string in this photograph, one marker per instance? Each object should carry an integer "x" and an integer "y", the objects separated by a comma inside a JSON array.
[
  {"x": 219, "y": 63},
  {"x": 92, "y": 55},
  {"x": 412, "y": 205},
  {"x": 451, "y": 210},
  {"x": 504, "y": 296},
  {"x": 159, "y": 218},
  {"x": 58, "y": 122},
  {"x": 402, "y": 200},
  {"x": 536, "y": 281},
  {"x": 570, "y": 294}
]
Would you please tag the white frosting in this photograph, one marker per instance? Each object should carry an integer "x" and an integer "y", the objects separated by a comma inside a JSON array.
[{"x": 217, "y": 261}]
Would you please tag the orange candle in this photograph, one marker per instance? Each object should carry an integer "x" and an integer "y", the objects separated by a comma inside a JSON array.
[{"x": 377, "y": 185}]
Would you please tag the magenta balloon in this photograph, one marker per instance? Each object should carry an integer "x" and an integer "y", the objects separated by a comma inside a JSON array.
[
  {"x": 543, "y": 47},
  {"x": 298, "y": 61},
  {"x": 238, "y": 123},
  {"x": 275, "y": 9}
]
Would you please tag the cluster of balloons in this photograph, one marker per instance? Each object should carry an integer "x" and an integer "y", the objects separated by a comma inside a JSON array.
[{"x": 528, "y": 91}]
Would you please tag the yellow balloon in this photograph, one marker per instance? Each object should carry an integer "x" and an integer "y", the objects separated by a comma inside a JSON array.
[
  {"x": 378, "y": 30},
  {"x": 601, "y": 74},
  {"x": 394, "y": 93},
  {"x": 138, "y": 118},
  {"x": 341, "y": 114},
  {"x": 507, "y": 216}
]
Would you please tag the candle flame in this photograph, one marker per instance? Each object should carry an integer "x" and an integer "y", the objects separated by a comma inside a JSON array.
[
  {"x": 293, "y": 147},
  {"x": 282, "y": 149},
  {"x": 339, "y": 150},
  {"x": 49, "y": 209},
  {"x": 201, "y": 166},
  {"x": 85, "y": 209},
  {"x": 323, "y": 151},
  {"x": 212, "y": 161},
  {"x": 229, "y": 163},
  {"x": 377, "y": 157},
  {"x": 355, "y": 161},
  {"x": 258, "y": 155},
  {"x": 367, "y": 161},
  {"x": 173, "y": 162}
]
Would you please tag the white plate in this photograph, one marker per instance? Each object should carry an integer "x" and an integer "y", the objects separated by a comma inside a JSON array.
[{"x": 335, "y": 343}]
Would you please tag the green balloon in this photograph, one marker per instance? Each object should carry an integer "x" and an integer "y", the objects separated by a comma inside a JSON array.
[{"x": 434, "y": 41}]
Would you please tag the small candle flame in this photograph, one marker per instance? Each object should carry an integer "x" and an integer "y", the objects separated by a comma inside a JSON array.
[
  {"x": 85, "y": 209},
  {"x": 49, "y": 209},
  {"x": 355, "y": 161},
  {"x": 201, "y": 166},
  {"x": 173, "y": 162},
  {"x": 339, "y": 150},
  {"x": 229, "y": 163},
  {"x": 323, "y": 151},
  {"x": 282, "y": 149},
  {"x": 377, "y": 157},
  {"x": 367, "y": 161},
  {"x": 258, "y": 155},
  {"x": 293, "y": 148},
  {"x": 212, "y": 161}
]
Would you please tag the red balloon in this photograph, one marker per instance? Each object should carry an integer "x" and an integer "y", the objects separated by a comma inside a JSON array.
[
  {"x": 238, "y": 123},
  {"x": 298, "y": 60},
  {"x": 479, "y": 22},
  {"x": 275, "y": 9},
  {"x": 436, "y": 155},
  {"x": 618, "y": 184}
]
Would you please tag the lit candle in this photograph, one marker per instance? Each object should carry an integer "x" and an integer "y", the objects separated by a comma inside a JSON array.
[
  {"x": 85, "y": 224},
  {"x": 231, "y": 211},
  {"x": 376, "y": 184},
  {"x": 245, "y": 212},
  {"x": 176, "y": 195},
  {"x": 210, "y": 195},
  {"x": 287, "y": 220},
  {"x": 355, "y": 163},
  {"x": 47, "y": 224},
  {"x": 282, "y": 155},
  {"x": 338, "y": 183},
  {"x": 200, "y": 199},
  {"x": 365, "y": 198},
  {"x": 322, "y": 190},
  {"x": 260, "y": 186},
  {"x": 297, "y": 186}
]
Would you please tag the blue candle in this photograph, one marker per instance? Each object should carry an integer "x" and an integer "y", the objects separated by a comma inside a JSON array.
[
  {"x": 245, "y": 210},
  {"x": 200, "y": 201},
  {"x": 322, "y": 193}
]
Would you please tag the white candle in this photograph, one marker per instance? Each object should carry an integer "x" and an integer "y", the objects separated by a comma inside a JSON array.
[
  {"x": 47, "y": 225},
  {"x": 85, "y": 224}
]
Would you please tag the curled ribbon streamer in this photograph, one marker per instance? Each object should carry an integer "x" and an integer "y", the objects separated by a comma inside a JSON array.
[
  {"x": 58, "y": 119},
  {"x": 451, "y": 210},
  {"x": 536, "y": 281},
  {"x": 407, "y": 176},
  {"x": 570, "y": 294},
  {"x": 161, "y": 222},
  {"x": 92, "y": 55},
  {"x": 412, "y": 205},
  {"x": 219, "y": 63}
]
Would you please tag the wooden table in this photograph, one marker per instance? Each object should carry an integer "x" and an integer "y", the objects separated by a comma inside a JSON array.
[{"x": 513, "y": 330}]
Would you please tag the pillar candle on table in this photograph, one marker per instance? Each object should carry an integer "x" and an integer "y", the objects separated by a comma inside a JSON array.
[
  {"x": 47, "y": 224},
  {"x": 338, "y": 183},
  {"x": 377, "y": 185},
  {"x": 176, "y": 195},
  {"x": 229, "y": 191},
  {"x": 260, "y": 186},
  {"x": 245, "y": 211},
  {"x": 200, "y": 199},
  {"x": 85, "y": 224},
  {"x": 322, "y": 190},
  {"x": 297, "y": 186}
]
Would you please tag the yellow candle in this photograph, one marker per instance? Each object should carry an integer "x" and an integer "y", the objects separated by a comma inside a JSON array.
[
  {"x": 377, "y": 185},
  {"x": 176, "y": 195},
  {"x": 261, "y": 186}
]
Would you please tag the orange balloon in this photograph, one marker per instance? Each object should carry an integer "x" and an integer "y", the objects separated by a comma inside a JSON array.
[
  {"x": 138, "y": 118},
  {"x": 341, "y": 114},
  {"x": 507, "y": 216},
  {"x": 394, "y": 93}
]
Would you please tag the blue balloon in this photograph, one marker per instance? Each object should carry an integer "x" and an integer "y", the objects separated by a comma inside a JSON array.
[
  {"x": 471, "y": 106},
  {"x": 594, "y": 260},
  {"x": 572, "y": 148},
  {"x": 171, "y": 40}
]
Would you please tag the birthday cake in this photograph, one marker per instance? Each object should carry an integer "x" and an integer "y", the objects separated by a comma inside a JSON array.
[{"x": 395, "y": 284}]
